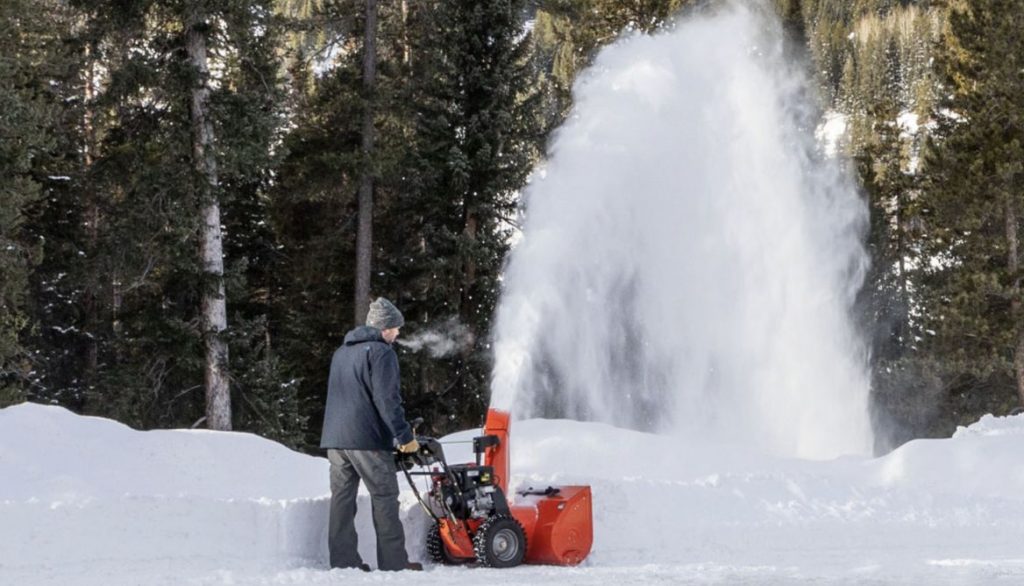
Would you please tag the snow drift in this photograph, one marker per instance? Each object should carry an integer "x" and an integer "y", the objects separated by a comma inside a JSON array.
[
  {"x": 89, "y": 501},
  {"x": 80, "y": 489}
]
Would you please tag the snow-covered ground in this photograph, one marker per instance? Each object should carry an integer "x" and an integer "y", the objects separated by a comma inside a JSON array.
[{"x": 89, "y": 501}]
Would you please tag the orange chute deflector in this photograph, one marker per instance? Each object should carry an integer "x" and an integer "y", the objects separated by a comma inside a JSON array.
[{"x": 559, "y": 524}]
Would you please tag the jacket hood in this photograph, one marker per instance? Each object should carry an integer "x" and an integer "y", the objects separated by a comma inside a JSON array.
[{"x": 363, "y": 334}]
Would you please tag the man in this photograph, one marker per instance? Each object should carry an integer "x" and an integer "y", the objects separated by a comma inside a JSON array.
[{"x": 363, "y": 422}]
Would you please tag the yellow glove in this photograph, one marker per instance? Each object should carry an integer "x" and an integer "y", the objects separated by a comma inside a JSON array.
[{"x": 409, "y": 448}]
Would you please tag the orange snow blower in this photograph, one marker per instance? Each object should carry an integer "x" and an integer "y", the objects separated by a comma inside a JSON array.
[{"x": 474, "y": 520}]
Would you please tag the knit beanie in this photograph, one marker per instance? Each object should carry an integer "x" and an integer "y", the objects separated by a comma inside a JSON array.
[{"x": 383, "y": 315}]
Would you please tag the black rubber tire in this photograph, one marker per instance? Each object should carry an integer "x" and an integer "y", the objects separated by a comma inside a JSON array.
[
  {"x": 435, "y": 548},
  {"x": 500, "y": 542}
]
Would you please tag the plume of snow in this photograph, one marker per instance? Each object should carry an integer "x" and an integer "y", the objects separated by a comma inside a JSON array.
[{"x": 690, "y": 258}]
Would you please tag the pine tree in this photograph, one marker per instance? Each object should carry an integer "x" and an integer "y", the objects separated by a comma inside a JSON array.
[
  {"x": 973, "y": 198},
  {"x": 885, "y": 301},
  {"x": 873, "y": 60},
  {"x": 135, "y": 261},
  {"x": 477, "y": 136},
  {"x": 26, "y": 103},
  {"x": 248, "y": 113},
  {"x": 315, "y": 200},
  {"x": 63, "y": 292}
]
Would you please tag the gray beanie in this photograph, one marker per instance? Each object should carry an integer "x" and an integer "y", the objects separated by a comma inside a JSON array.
[{"x": 383, "y": 315}]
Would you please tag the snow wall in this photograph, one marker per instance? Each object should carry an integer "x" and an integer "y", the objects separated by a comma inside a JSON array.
[{"x": 84, "y": 489}]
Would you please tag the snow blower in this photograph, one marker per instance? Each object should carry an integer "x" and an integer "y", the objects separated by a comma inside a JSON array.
[{"x": 474, "y": 520}]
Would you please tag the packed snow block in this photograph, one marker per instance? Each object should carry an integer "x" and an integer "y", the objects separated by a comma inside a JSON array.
[
  {"x": 136, "y": 528},
  {"x": 80, "y": 489},
  {"x": 141, "y": 528},
  {"x": 87, "y": 490}
]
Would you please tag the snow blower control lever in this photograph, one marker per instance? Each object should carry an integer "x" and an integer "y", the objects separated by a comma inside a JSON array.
[{"x": 473, "y": 518}]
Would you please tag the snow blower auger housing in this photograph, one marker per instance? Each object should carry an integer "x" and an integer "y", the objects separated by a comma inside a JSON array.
[{"x": 474, "y": 520}]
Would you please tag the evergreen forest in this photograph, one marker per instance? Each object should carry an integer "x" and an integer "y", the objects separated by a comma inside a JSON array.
[{"x": 198, "y": 198}]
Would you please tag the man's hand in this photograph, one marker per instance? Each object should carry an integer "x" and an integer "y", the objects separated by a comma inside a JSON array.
[{"x": 410, "y": 448}]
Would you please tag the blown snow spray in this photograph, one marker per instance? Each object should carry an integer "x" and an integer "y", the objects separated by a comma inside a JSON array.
[{"x": 690, "y": 257}]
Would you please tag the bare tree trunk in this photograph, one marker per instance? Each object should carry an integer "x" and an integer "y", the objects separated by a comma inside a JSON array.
[
  {"x": 904, "y": 294},
  {"x": 1013, "y": 265},
  {"x": 214, "y": 310},
  {"x": 364, "y": 235},
  {"x": 406, "y": 47},
  {"x": 92, "y": 215},
  {"x": 469, "y": 230},
  {"x": 471, "y": 224},
  {"x": 116, "y": 299}
]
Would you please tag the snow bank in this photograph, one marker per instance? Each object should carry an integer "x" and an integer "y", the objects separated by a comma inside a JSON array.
[
  {"x": 58, "y": 456},
  {"x": 78, "y": 489},
  {"x": 984, "y": 459},
  {"x": 990, "y": 425},
  {"x": 89, "y": 501}
]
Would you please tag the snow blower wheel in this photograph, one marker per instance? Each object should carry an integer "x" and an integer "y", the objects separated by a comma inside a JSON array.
[
  {"x": 500, "y": 542},
  {"x": 436, "y": 550}
]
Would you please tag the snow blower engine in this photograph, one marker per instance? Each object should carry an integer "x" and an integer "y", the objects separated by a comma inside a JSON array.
[{"x": 474, "y": 520}]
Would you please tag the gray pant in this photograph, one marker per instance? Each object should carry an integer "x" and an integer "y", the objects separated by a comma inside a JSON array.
[{"x": 377, "y": 469}]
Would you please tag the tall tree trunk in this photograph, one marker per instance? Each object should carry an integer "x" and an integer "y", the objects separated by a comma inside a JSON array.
[
  {"x": 1013, "y": 265},
  {"x": 469, "y": 229},
  {"x": 364, "y": 235},
  {"x": 406, "y": 46},
  {"x": 214, "y": 310},
  {"x": 900, "y": 246},
  {"x": 471, "y": 223},
  {"x": 92, "y": 219}
]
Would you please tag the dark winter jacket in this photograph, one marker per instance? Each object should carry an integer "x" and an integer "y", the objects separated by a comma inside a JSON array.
[{"x": 364, "y": 402}]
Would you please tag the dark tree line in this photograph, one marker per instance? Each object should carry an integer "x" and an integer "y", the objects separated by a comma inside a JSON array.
[
  {"x": 932, "y": 97},
  {"x": 336, "y": 150},
  {"x": 201, "y": 197}
]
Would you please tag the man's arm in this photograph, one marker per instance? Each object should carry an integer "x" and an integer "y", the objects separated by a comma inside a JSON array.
[{"x": 385, "y": 379}]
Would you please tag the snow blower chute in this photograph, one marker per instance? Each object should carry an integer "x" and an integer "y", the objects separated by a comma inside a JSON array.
[{"x": 474, "y": 520}]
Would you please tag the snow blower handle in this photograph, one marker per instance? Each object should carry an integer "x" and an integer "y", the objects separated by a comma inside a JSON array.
[
  {"x": 427, "y": 452},
  {"x": 412, "y": 447},
  {"x": 415, "y": 445}
]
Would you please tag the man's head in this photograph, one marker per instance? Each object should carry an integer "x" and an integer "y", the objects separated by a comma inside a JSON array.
[{"x": 384, "y": 316}]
